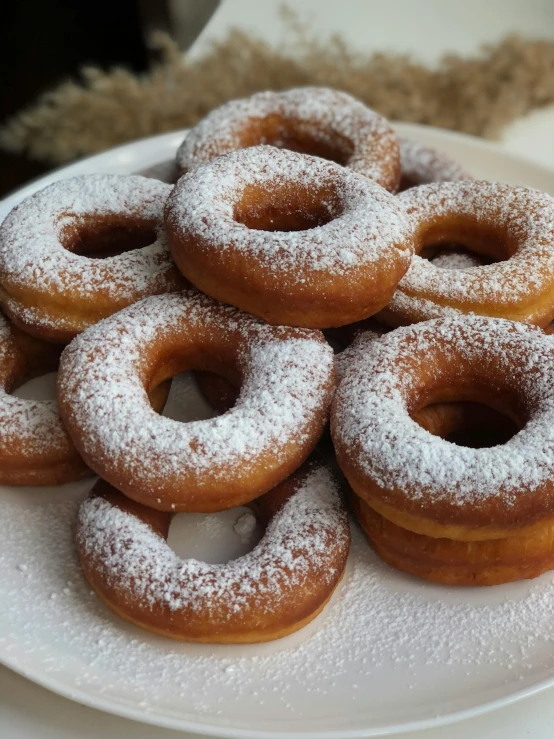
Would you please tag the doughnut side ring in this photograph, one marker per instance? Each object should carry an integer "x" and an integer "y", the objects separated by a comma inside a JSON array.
[
  {"x": 35, "y": 448},
  {"x": 274, "y": 590},
  {"x": 512, "y": 224},
  {"x": 450, "y": 562},
  {"x": 312, "y": 120},
  {"x": 422, "y": 482},
  {"x": 286, "y": 377},
  {"x": 290, "y": 238},
  {"x": 49, "y": 284}
]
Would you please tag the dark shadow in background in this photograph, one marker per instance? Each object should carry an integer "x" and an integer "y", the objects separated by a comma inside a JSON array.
[{"x": 43, "y": 42}]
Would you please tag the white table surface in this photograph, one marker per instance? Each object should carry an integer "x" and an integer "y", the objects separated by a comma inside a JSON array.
[{"x": 28, "y": 711}]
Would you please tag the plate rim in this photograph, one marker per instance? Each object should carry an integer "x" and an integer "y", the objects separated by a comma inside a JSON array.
[{"x": 167, "y": 143}]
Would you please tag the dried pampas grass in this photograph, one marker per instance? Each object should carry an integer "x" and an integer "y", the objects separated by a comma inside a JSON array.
[{"x": 476, "y": 95}]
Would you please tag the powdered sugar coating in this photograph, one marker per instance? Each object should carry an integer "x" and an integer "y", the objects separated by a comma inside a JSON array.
[
  {"x": 308, "y": 538},
  {"x": 344, "y": 357},
  {"x": 520, "y": 287},
  {"x": 371, "y": 422},
  {"x": 245, "y": 527},
  {"x": 322, "y": 115},
  {"x": 288, "y": 377},
  {"x": 367, "y": 226},
  {"x": 37, "y": 270},
  {"x": 420, "y": 165},
  {"x": 384, "y": 632},
  {"x": 456, "y": 259}
]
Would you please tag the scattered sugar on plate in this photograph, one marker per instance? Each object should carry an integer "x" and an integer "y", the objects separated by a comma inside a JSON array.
[{"x": 381, "y": 629}]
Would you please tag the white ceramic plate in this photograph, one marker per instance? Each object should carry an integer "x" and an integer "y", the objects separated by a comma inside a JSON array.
[{"x": 389, "y": 653}]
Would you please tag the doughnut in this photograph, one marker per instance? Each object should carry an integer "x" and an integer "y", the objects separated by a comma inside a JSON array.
[
  {"x": 422, "y": 482},
  {"x": 221, "y": 394},
  {"x": 290, "y": 238},
  {"x": 450, "y": 562},
  {"x": 420, "y": 165},
  {"x": 311, "y": 120},
  {"x": 447, "y": 561},
  {"x": 286, "y": 378},
  {"x": 272, "y": 591},
  {"x": 53, "y": 283},
  {"x": 513, "y": 226}
]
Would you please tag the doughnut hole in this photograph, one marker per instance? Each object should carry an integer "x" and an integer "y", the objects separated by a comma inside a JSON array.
[
  {"x": 288, "y": 207},
  {"x": 215, "y": 538},
  {"x": 98, "y": 238},
  {"x": 219, "y": 392},
  {"x": 485, "y": 244},
  {"x": 199, "y": 395},
  {"x": 39, "y": 387},
  {"x": 468, "y": 423},
  {"x": 290, "y": 133}
]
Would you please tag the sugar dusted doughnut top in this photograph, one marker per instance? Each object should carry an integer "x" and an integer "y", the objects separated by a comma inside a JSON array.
[
  {"x": 31, "y": 250},
  {"x": 372, "y": 423},
  {"x": 288, "y": 379},
  {"x": 367, "y": 224},
  {"x": 45, "y": 283},
  {"x": 520, "y": 287},
  {"x": 365, "y": 140},
  {"x": 301, "y": 542}
]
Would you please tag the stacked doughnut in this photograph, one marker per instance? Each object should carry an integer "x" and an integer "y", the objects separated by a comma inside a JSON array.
[{"x": 291, "y": 219}]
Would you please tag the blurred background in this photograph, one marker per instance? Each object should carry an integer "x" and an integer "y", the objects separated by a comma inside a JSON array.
[{"x": 81, "y": 77}]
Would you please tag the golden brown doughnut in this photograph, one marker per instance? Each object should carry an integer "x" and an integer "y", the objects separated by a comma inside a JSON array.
[
  {"x": 53, "y": 283},
  {"x": 510, "y": 226},
  {"x": 290, "y": 238},
  {"x": 274, "y": 590},
  {"x": 311, "y": 120},
  {"x": 447, "y": 561},
  {"x": 429, "y": 485},
  {"x": 286, "y": 376}
]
